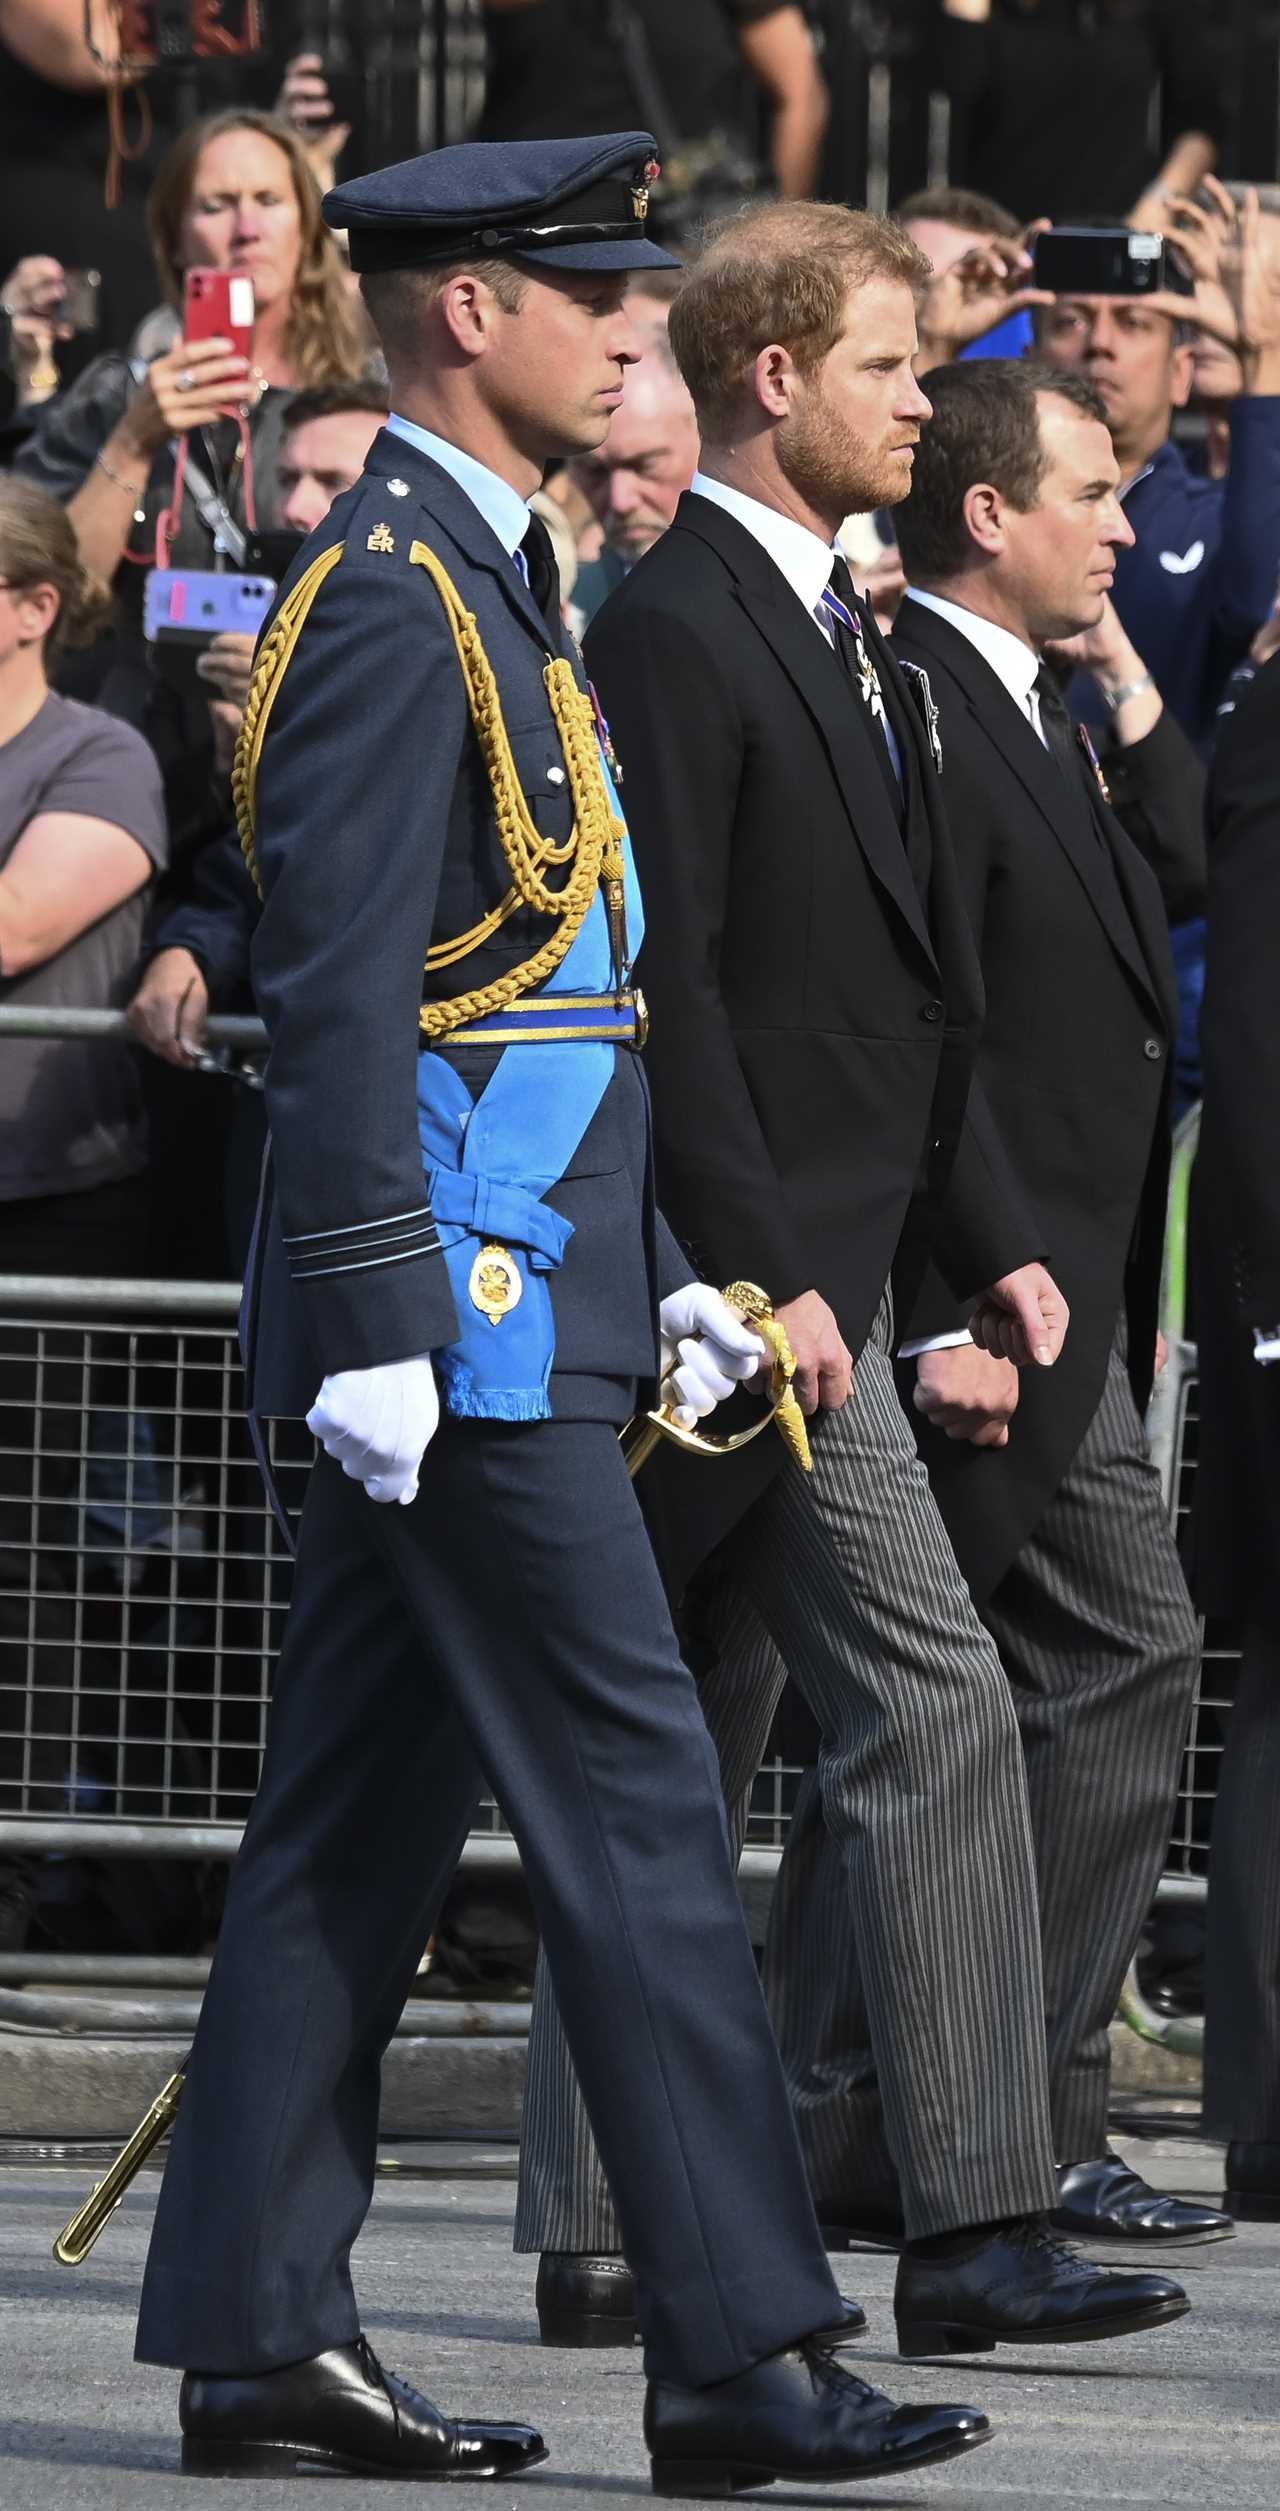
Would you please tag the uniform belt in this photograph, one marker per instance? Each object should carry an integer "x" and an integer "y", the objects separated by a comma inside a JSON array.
[{"x": 558, "y": 1018}]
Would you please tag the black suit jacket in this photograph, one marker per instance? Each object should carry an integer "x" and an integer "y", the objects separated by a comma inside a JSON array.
[
  {"x": 814, "y": 1022},
  {"x": 375, "y": 837},
  {"x": 1237, "y": 1197},
  {"x": 1075, "y": 1058}
]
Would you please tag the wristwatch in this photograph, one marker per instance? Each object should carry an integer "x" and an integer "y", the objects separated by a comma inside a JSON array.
[{"x": 1114, "y": 699}]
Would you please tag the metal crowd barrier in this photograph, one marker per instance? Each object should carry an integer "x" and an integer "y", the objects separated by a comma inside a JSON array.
[{"x": 144, "y": 1584}]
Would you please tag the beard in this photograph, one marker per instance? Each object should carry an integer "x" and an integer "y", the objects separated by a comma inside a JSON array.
[{"x": 833, "y": 469}]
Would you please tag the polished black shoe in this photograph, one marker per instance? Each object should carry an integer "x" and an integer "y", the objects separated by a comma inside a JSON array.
[
  {"x": 592, "y": 2301},
  {"x": 339, "y": 2411},
  {"x": 799, "y": 2415},
  {"x": 1022, "y": 2285},
  {"x": 873, "y": 2223},
  {"x": 1253, "y": 2183},
  {"x": 1106, "y": 2201},
  {"x": 585, "y": 2301}
]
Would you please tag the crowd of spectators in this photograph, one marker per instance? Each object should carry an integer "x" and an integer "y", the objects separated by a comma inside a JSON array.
[{"x": 124, "y": 444}]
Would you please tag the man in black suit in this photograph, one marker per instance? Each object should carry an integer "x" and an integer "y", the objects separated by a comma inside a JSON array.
[
  {"x": 817, "y": 1002},
  {"x": 1044, "y": 1484}
]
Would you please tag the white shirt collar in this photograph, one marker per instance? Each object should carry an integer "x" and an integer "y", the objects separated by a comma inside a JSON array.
[
  {"x": 502, "y": 506},
  {"x": 1015, "y": 665},
  {"x": 800, "y": 555}
]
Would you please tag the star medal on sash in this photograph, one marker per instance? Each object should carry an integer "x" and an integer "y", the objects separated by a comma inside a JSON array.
[
  {"x": 495, "y": 1286},
  {"x": 1085, "y": 740}
]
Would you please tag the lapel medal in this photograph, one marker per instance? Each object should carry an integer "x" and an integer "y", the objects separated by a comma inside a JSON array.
[
  {"x": 921, "y": 688},
  {"x": 868, "y": 676}
]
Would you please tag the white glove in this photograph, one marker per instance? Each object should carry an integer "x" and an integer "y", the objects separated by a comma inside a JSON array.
[
  {"x": 716, "y": 1350},
  {"x": 378, "y": 1423}
]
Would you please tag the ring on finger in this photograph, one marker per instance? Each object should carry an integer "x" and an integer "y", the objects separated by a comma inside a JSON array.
[{"x": 185, "y": 380}]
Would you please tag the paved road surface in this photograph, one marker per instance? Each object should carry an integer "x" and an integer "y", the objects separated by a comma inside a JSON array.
[{"x": 1186, "y": 2417}]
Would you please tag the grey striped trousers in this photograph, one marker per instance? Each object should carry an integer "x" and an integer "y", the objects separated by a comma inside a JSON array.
[
  {"x": 1100, "y": 1646},
  {"x": 851, "y": 1573}
]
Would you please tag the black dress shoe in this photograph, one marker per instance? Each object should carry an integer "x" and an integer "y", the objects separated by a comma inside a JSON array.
[
  {"x": 873, "y": 2223},
  {"x": 1106, "y": 2201},
  {"x": 339, "y": 2411},
  {"x": 800, "y": 2415},
  {"x": 585, "y": 2301},
  {"x": 1021, "y": 2285},
  {"x": 592, "y": 2301},
  {"x": 1253, "y": 2183}
]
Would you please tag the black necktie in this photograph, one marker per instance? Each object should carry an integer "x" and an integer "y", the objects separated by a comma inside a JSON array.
[
  {"x": 544, "y": 575},
  {"x": 1056, "y": 724},
  {"x": 854, "y": 652}
]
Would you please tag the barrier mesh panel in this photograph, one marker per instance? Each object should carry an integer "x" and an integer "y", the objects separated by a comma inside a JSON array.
[{"x": 144, "y": 1584}]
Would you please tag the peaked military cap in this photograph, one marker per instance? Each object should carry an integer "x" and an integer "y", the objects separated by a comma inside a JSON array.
[{"x": 574, "y": 204}]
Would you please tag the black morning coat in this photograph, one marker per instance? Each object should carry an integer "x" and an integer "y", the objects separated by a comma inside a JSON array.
[
  {"x": 1237, "y": 1181},
  {"x": 1071, "y": 929},
  {"x": 376, "y": 836},
  {"x": 814, "y": 1025}
]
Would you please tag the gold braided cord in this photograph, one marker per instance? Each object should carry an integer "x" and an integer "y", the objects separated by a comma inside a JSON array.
[
  {"x": 593, "y": 848},
  {"x": 268, "y": 672}
]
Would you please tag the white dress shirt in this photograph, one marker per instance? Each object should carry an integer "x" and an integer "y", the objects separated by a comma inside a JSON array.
[
  {"x": 802, "y": 556},
  {"x": 1016, "y": 666}
]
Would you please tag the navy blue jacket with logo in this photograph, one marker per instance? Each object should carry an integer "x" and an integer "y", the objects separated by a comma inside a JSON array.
[{"x": 1203, "y": 573}]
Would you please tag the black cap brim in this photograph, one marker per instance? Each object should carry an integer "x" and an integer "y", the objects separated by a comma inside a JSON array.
[{"x": 640, "y": 255}]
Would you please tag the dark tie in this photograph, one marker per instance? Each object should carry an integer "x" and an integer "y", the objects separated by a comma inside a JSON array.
[
  {"x": 1057, "y": 727},
  {"x": 542, "y": 573},
  {"x": 853, "y": 651}
]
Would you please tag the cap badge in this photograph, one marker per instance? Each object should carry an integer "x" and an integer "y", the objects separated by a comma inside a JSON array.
[
  {"x": 381, "y": 538},
  {"x": 398, "y": 488},
  {"x": 640, "y": 191}
]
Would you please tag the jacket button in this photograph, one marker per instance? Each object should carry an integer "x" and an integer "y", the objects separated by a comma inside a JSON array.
[
  {"x": 1152, "y": 1049},
  {"x": 931, "y": 1011}
]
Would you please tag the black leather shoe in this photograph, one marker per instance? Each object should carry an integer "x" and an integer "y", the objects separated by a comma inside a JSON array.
[
  {"x": 592, "y": 2301},
  {"x": 1021, "y": 2285},
  {"x": 800, "y": 2415},
  {"x": 339, "y": 2411},
  {"x": 1106, "y": 2201},
  {"x": 875, "y": 2223},
  {"x": 1253, "y": 2183},
  {"x": 585, "y": 2301}
]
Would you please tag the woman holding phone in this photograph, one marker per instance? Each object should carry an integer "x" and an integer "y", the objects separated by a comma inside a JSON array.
[
  {"x": 235, "y": 192},
  {"x": 177, "y": 459}
]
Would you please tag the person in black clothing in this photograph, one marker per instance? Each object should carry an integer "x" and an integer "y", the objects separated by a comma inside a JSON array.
[
  {"x": 1051, "y": 100},
  {"x": 1237, "y": 1515},
  {"x": 689, "y": 66}
]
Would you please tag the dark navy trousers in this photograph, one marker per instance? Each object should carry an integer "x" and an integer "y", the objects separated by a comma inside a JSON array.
[{"x": 510, "y": 1623}]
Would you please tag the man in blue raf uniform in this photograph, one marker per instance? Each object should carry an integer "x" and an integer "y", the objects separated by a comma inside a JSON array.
[{"x": 459, "y": 1278}]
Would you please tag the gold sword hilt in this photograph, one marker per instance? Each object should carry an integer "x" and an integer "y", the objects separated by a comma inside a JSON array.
[
  {"x": 755, "y": 1307},
  {"x": 77, "y": 2237}
]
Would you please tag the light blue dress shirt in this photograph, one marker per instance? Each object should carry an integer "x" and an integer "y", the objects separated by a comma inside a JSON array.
[{"x": 503, "y": 507}]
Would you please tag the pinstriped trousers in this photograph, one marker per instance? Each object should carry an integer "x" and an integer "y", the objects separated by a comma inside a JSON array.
[
  {"x": 1100, "y": 1647},
  {"x": 851, "y": 1573}
]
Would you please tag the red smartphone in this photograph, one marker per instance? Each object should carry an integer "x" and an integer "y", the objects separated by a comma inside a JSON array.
[{"x": 219, "y": 306}]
